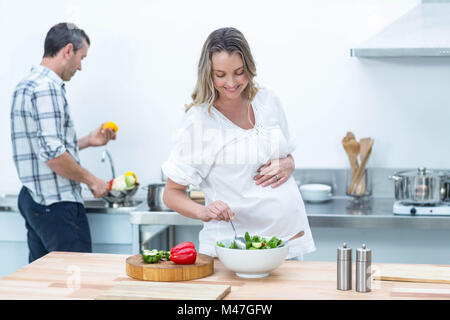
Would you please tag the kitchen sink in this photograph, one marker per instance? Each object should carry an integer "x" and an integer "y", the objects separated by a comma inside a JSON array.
[
  {"x": 101, "y": 206},
  {"x": 8, "y": 202}
]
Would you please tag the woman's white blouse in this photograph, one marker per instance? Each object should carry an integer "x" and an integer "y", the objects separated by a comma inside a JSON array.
[{"x": 213, "y": 153}]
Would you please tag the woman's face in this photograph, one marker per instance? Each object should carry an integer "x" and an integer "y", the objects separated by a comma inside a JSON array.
[{"x": 228, "y": 74}]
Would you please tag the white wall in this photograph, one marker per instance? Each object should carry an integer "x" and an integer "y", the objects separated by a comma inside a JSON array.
[{"x": 141, "y": 69}]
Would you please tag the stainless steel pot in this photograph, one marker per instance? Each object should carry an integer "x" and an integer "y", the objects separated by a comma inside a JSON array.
[
  {"x": 155, "y": 193},
  {"x": 421, "y": 186},
  {"x": 155, "y": 197},
  {"x": 447, "y": 187}
]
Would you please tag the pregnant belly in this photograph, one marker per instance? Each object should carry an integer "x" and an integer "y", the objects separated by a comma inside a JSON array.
[
  {"x": 270, "y": 208},
  {"x": 286, "y": 195}
]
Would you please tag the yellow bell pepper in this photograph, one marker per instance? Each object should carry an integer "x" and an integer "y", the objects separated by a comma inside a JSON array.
[
  {"x": 111, "y": 125},
  {"x": 131, "y": 173}
]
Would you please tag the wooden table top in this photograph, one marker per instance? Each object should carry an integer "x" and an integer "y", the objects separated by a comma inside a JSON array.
[{"x": 68, "y": 275}]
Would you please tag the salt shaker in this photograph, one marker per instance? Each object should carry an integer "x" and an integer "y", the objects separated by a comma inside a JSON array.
[
  {"x": 344, "y": 268},
  {"x": 363, "y": 269}
]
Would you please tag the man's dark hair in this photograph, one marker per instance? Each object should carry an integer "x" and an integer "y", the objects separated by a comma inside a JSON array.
[{"x": 62, "y": 34}]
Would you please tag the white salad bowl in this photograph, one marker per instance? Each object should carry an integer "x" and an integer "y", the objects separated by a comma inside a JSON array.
[
  {"x": 316, "y": 192},
  {"x": 251, "y": 263}
]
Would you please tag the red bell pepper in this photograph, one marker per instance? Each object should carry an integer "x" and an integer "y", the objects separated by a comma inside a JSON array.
[
  {"x": 110, "y": 183},
  {"x": 183, "y": 253}
]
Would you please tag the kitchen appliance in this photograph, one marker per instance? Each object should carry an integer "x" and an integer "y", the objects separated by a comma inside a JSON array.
[
  {"x": 421, "y": 32},
  {"x": 344, "y": 268},
  {"x": 363, "y": 269},
  {"x": 420, "y": 187},
  {"x": 423, "y": 192},
  {"x": 440, "y": 209}
]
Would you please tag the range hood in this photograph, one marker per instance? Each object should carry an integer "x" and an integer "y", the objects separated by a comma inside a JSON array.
[{"x": 422, "y": 32}]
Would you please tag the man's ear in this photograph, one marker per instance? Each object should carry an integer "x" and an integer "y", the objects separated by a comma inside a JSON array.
[{"x": 67, "y": 51}]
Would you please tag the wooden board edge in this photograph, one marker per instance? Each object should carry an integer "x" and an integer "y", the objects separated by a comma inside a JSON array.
[
  {"x": 143, "y": 276},
  {"x": 399, "y": 279},
  {"x": 225, "y": 293},
  {"x": 106, "y": 295}
]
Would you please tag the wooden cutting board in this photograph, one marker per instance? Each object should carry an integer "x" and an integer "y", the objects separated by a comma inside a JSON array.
[
  {"x": 143, "y": 290},
  {"x": 413, "y": 273},
  {"x": 168, "y": 270},
  {"x": 419, "y": 293}
]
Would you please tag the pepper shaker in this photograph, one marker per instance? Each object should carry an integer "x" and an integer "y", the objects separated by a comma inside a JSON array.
[
  {"x": 344, "y": 268},
  {"x": 363, "y": 269}
]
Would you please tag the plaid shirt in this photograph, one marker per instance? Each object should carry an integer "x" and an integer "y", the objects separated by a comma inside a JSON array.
[{"x": 42, "y": 129}]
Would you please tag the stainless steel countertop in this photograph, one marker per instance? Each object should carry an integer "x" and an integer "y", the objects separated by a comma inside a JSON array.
[
  {"x": 336, "y": 213},
  {"x": 8, "y": 203}
]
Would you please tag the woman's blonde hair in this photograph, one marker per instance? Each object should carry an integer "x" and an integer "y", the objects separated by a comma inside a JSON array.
[{"x": 230, "y": 40}]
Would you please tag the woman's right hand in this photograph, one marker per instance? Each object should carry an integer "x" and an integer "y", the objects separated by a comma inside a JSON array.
[{"x": 217, "y": 210}]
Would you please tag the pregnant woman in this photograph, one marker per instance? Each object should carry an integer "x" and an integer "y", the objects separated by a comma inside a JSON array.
[{"x": 234, "y": 143}]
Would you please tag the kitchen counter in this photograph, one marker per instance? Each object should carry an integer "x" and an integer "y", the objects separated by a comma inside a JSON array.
[
  {"x": 402, "y": 239},
  {"x": 338, "y": 212},
  {"x": 111, "y": 232},
  {"x": 63, "y": 275}
]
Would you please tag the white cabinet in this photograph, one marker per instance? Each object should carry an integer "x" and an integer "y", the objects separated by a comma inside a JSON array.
[{"x": 110, "y": 233}]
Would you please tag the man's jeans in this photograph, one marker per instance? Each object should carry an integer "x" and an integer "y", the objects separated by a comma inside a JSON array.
[{"x": 61, "y": 226}]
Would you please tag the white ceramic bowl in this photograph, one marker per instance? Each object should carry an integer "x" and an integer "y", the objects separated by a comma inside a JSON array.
[
  {"x": 251, "y": 263},
  {"x": 316, "y": 192},
  {"x": 311, "y": 197}
]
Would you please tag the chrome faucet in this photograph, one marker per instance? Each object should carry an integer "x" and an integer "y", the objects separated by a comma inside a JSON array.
[{"x": 104, "y": 154}]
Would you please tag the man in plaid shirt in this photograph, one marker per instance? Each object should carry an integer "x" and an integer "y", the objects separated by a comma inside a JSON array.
[{"x": 45, "y": 149}]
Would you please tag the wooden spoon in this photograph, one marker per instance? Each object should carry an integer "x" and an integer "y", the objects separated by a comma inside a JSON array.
[
  {"x": 298, "y": 235},
  {"x": 361, "y": 183},
  {"x": 352, "y": 148},
  {"x": 349, "y": 136},
  {"x": 361, "y": 168}
]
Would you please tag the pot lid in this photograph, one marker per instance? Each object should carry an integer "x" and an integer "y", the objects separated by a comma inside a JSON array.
[{"x": 422, "y": 172}]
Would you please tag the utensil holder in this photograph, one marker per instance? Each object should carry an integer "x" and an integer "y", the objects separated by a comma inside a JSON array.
[{"x": 363, "y": 188}]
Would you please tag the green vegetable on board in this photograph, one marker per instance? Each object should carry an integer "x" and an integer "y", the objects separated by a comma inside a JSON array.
[
  {"x": 154, "y": 256},
  {"x": 150, "y": 256}
]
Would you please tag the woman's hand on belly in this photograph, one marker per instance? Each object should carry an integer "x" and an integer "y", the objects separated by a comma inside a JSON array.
[
  {"x": 217, "y": 210},
  {"x": 275, "y": 172}
]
